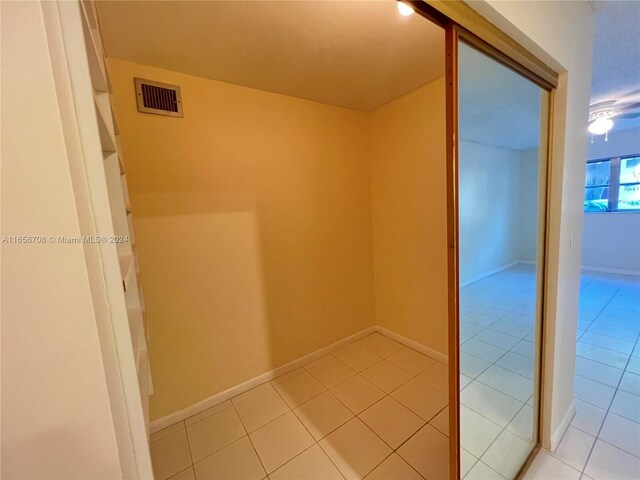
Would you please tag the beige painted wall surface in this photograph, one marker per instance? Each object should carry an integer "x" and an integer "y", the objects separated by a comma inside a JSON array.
[
  {"x": 56, "y": 418},
  {"x": 252, "y": 216},
  {"x": 409, "y": 214}
]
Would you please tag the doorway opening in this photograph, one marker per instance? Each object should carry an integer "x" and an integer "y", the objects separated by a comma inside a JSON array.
[{"x": 292, "y": 234}]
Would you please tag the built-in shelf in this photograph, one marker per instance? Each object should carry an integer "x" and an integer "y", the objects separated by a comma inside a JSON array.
[
  {"x": 149, "y": 383},
  {"x": 127, "y": 270},
  {"x": 119, "y": 150},
  {"x": 141, "y": 297},
  {"x": 89, "y": 13},
  {"x": 136, "y": 325},
  {"x": 141, "y": 350},
  {"x": 143, "y": 384},
  {"x": 132, "y": 295},
  {"x": 132, "y": 237},
  {"x": 125, "y": 192},
  {"x": 136, "y": 263},
  {"x": 94, "y": 56},
  {"x": 118, "y": 193},
  {"x": 105, "y": 125}
]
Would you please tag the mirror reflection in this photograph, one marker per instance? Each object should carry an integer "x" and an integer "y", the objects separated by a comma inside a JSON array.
[{"x": 499, "y": 204}]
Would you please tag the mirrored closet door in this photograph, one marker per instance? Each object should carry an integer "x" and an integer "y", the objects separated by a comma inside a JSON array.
[{"x": 502, "y": 127}]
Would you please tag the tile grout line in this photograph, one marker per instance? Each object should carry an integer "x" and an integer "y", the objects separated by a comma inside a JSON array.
[
  {"x": 292, "y": 410},
  {"x": 316, "y": 442},
  {"x": 505, "y": 428},
  {"x": 427, "y": 422},
  {"x": 183, "y": 470},
  {"x": 357, "y": 415},
  {"x": 267, "y": 473},
  {"x": 597, "y": 436},
  {"x": 605, "y": 348},
  {"x": 592, "y": 322}
]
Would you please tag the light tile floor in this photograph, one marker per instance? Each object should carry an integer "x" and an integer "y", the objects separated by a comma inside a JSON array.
[
  {"x": 603, "y": 440},
  {"x": 378, "y": 410},
  {"x": 374, "y": 409}
]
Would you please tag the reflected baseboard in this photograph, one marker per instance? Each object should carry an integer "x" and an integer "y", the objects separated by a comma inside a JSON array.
[
  {"x": 220, "y": 397},
  {"x": 487, "y": 274},
  {"x": 496, "y": 270}
]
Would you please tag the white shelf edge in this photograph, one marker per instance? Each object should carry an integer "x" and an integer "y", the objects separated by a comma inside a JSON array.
[
  {"x": 125, "y": 192},
  {"x": 89, "y": 12},
  {"x": 119, "y": 152},
  {"x": 105, "y": 125},
  {"x": 126, "y": 269},
  {"x": 94, "y": 56},
  {"x": 132, "y": 236},
  {"x": 135, "y": 317}
]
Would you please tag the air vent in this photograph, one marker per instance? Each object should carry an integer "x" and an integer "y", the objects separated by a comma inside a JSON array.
[{"x": 158, "y": 98}]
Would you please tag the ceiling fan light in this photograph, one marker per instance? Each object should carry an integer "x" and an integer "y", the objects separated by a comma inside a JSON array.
[
  {"x": 600, "y": 126},
  {"x": 404, "y": 9}
]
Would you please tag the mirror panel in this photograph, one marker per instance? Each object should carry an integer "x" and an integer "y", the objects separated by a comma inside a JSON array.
[{"x": 501, "y": 190}]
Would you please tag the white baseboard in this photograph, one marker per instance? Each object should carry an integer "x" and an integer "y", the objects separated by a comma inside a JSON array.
[
  {"x": 616, "y": 271},
  {"x": 496, "y": 270},
  {"x": 213, "y": 400},
  {"x": 558, "y": 433},
  {"x": 487, "y": 274},
  {"x": 435, "y": 354}
]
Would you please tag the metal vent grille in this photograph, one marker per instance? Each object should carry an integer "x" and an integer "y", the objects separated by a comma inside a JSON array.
[{"x": 158, "y": 98}]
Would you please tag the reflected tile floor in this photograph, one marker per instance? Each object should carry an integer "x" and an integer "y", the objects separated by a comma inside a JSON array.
[
  {"x": 603, "y": 440},
  {"x": 496, "y": 373},
  {"x": 373, "y": 409}
]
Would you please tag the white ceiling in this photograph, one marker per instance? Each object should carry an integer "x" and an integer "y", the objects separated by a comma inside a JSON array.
[
  {"x": 496, "y": 106},
  {"x": 358, "y": 54},
  {"x": 616, "y": 55}
]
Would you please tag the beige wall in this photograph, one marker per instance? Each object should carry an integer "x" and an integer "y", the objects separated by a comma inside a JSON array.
[
  {"x": 252, "y": 217},
  {"x": 408, "y": 191},
  {"x": 56, "y": 417}
]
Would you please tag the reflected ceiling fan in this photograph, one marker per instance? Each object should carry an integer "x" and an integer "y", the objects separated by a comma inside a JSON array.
[{"x": 602, "y": 115}]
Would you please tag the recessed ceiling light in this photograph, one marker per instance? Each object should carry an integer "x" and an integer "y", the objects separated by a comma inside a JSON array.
[{"x": 404, "y": 9}]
